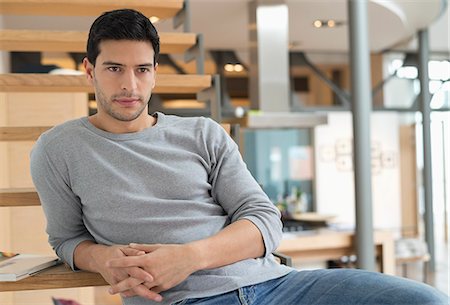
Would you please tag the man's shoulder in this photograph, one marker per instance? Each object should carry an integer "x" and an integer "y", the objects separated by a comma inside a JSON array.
[
  {"x": 197, "y": 122},
  {"x": 61, "y": 131}
]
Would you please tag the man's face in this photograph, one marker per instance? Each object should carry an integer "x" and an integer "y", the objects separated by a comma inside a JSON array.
[{"x": 123, "y": 77}]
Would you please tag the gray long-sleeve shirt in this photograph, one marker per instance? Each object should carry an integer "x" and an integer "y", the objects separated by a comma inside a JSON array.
[{"x": 181, "y": 180}]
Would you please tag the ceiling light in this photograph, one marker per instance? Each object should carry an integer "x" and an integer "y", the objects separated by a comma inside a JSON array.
[
  {"x": 154, "y": 19},
  {"x": 317, "y": 23},
  {"x": 238, "y": 68},
  {"x": 229, "y": 67},
  {"x": 330, "y": 23}
]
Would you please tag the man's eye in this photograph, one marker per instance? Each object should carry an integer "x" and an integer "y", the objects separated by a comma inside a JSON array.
[
  {"x": 114, "y": 69},
  {"x": 143, "y": 70}
]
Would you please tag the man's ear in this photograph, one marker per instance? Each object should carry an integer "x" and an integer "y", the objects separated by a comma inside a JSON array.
[
  {"x": 154, "y": 75},
  {"x": 89, "y": 68}
]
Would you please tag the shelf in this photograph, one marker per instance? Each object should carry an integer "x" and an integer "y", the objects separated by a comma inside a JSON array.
[
  {"x": 165, "y": 83},
  {"x": 19, "y": 197},
  {"x": 272, "y": 120},
  {"x": 21, "y": 133},
  {"x": 75, "y": 41},
  {"x": 162, "y": 9},
  {"x": 60, "y": 276}
]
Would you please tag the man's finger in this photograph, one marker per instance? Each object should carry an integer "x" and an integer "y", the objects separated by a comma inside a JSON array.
[
  {"x": 124, "y": 285},
  {"x": 144, "y": 247},
  {"x": 123, "y": 262},
  {"x": 144, "y": 292},
  {"x": 131, "y": 252},
  {"x": 129, "y": 293},
  {"x": 140, "y": 274}
]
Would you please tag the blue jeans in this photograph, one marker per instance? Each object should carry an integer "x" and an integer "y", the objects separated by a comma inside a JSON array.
[{"x": 329, "y": 286}]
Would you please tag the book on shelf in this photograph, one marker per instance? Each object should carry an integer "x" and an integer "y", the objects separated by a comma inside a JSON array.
[{"x": 17, "y": 266}]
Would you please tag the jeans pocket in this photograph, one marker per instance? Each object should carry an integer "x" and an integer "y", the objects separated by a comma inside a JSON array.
[{"x": 182, "y": 302}]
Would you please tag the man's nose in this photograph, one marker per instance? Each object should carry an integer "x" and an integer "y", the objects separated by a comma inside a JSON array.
[{"x": 129, "y": 81}]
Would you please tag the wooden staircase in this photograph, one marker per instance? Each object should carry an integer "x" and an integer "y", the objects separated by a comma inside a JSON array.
[
  {"x": 163, "y": 9},
  {"x": 165, "y": 83},
  {"x": 75, "y": 41},
  {"x": 204, "y": 86}
]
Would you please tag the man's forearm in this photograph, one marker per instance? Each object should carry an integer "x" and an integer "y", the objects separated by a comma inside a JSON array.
[
  {"x": 86, "y": 256},
  {"x": 92, "y": 257},
  {"x": 238, "y": 241},
  {"x": 170, "y": 264}
]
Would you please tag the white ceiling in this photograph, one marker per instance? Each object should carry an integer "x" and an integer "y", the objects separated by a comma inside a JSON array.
[{"x": 224, "y": 24}]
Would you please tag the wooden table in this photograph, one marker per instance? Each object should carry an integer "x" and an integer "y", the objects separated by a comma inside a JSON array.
[
  {"x": 318, "y": 245},
  {"x": 321, "y": 245},
  {"x": 60, "y": 276}
]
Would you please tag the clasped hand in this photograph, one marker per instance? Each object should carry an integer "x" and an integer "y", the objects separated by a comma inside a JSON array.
[{"x": 166, "y": 266}]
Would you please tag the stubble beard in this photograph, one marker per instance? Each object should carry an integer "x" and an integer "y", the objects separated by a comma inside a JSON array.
[{"x": 120, "y": 116}]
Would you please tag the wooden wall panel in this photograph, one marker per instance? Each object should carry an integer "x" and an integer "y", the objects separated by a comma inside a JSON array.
[
  {"x": 22, "y": 229},
  {"x": 408, "y": 174}
]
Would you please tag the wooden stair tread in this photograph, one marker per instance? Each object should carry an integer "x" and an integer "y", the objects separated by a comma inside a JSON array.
[
  {"x": 162, "y": 9},
  {"x": 18, "y": 197},
  {"x": 60, "y": 276},
  {"x": 29, "y": 133},
  {"x": 75, "y": 41},
  {"x": 32, "y": 133},
  {"x": 165, "y": 83}
]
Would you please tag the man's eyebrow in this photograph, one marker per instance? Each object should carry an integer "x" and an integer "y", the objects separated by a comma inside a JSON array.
[
  {"x": 112, "y": 63},
  {"x": 145, "y": 65}
]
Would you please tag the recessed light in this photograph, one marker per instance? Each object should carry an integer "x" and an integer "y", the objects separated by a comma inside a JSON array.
[
  {"x": 330, "y": 23},
  {"x": 229, "y": 67},
  {"x": 238, "y": 68},
  {"x": 317, "y": 24}
]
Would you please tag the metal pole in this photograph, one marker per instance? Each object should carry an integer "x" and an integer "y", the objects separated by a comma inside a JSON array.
[
  {"x": 425, "y": 98},
  {"x": 269, "y": 56},
  {"x": 361, "y": 108}
]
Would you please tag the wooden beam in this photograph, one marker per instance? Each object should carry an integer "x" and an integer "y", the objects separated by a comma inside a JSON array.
[
  {"x": 165, "y": 83},
  {"x": 21, "y": 133},
  {"x": 19, "y": 198},
  {"x": 32, "y": 133},
  {"x": 55, "y": 277},
  {"x": 162, "y": 9},
  {"x": 75, "y": 41}
]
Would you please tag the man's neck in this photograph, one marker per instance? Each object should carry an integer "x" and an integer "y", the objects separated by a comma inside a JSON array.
[{"x": 115, "y": 126}]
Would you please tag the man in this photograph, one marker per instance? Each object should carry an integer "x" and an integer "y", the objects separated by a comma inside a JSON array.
[{"x": 163, "y": 207}]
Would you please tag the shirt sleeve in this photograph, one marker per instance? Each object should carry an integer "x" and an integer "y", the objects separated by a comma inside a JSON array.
[
  {"x": 235, "y": 189},
  {"x": 61, "y": 206}
]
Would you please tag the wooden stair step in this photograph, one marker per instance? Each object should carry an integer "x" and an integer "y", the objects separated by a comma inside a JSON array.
[
  {"x": 29, "y": 133},
  {"x": 75, "y": 41},
  {"x": 32, "y": 133},
  {"x": 19, "y": 197},
  {"x": 60, "y": 276},
  {"x": 162, "y": 9},
  {"x": 165, "y": 83}
]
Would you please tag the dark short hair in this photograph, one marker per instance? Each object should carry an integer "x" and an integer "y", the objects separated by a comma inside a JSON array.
[{"x": 123, "y": 24}]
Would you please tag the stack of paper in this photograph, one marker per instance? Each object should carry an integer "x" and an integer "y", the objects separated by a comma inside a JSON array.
[{"x": 14, "y": 267}]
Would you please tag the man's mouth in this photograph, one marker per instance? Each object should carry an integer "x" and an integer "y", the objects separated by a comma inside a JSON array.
[{"x": 127, "y": 101}]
